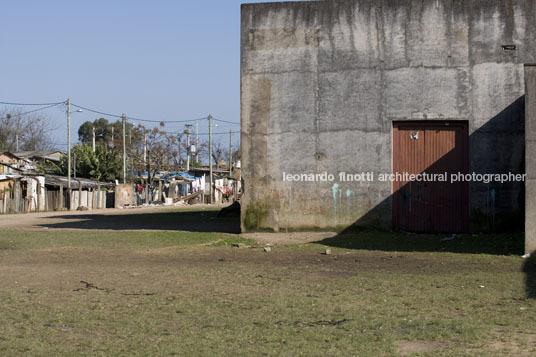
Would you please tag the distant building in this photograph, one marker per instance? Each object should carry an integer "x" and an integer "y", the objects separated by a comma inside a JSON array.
[
  {"x": 11, "y": 163},
  {"x": 39, "y": 156}
]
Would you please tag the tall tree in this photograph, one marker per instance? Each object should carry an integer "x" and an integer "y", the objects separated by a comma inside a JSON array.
[
  {"x": 103, "y": 165},
  {"x": 32, "y": 130},
  {"x": 218, "y": 152},
  {"x": 103, "y": 132},
  {"x": 109, "y": 134}
]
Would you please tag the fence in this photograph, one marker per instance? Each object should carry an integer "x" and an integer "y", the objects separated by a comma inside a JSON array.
[
  {"x": 55, "y": 200},
  {"x": 8, "y": 204}
]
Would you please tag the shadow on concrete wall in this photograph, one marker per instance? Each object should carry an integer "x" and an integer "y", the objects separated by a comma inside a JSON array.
[
  {"x": 499, "y": 210},
  {"x": 530, "y": 279},
  {"x": 495, "y": 147}
]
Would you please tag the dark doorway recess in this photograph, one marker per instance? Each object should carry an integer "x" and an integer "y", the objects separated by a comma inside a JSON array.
[{"x": 437, "y": 149}]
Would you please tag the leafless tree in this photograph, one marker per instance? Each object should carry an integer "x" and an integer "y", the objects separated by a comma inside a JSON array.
[
  {"x": 161, "y": 152},
  {"x": 33, "y": 131},
  {"x": 218, "y": 152}
]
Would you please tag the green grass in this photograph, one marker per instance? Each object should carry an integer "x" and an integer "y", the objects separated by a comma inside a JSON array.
[
  {"x": 15, "y": 239},
  {"x": 202, "y": 300}
]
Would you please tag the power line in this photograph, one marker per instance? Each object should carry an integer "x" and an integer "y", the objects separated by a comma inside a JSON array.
[
  {"x": 226, "y": 121},
  {"x": 95, "y": 111},
  {"x": 31, "y": 111},
  {"x": 233, "y": 132},
  {"x": 133, "y": 118},
  {"x": 36, "y": 104},
  {"x": 182, "y": 132},
  {"x": 116, "y": 115},
  {"x": 165, "y": 121}
]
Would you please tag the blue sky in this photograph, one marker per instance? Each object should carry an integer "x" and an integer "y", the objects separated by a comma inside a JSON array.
[{"x": 173, "y": 60}]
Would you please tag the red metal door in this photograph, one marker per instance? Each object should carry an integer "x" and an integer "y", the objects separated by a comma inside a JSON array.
[{"x": 439, "y": 149}]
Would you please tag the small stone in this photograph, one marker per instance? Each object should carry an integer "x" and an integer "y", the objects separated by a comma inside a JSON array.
[
  {"x": 239, "y": 245},
  {"x": 327, "y": 252},
  {"x": 267, "y": 249}
]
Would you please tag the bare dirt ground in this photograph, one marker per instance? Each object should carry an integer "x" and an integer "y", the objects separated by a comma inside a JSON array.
[
  {"x": 157, "y": 218},
  {"x": 153, "y": 280},
  {"x": 289, "y": 238},
  {"x": 39, "y": 220},
  {"x": 69, "y": 293},
  {"x": 143, "y": 219}
]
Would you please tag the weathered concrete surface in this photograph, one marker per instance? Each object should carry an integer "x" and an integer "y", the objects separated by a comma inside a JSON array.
[
  {"x": 322, "y": 82},
  {"x": 530, "y": 155},
  {"x": 124, "y": 195}
]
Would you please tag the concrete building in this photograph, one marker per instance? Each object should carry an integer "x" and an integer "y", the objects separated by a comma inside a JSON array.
[{"x": 384, "y": 87}]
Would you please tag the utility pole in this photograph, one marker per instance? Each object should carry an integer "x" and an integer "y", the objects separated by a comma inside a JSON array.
[
  {"x": 188, "y": 153},
  {"x": 131, "y": 163},
  {"x": 69, "y": 143},
  {"x": 17, "y": 142},
  {"x": 93, "y": 139},
  {"x": 144, "y": 151},
  {"x": 124, "y": 117},
  {"x": 230, "y": 152},
  {"x": 179, "y": 138},
  {"x": 197, "y": 140},
  {"x": 210, "y": 153}
]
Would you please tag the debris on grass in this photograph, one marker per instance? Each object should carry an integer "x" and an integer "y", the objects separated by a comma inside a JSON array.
[
  {"x": 239, "y": 245},
  {"x": 446, "y": 239},
  {"x": 89, "y": 286},
  {"x": 214, "y": 242},
  {"x": 316, "y": 323}
]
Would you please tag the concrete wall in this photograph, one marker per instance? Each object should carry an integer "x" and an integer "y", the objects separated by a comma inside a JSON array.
[
  {"x": 321, "y": 83},
  {"x": 90, "y": 199},
  {"x": 530, "y": 222},
  {"x": 124, "y": 195}
]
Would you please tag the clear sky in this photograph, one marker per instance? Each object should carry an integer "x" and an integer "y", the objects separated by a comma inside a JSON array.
[{"x": 160, "y": 59}]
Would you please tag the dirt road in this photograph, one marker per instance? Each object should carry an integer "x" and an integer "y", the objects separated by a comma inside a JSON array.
[
  {"x": 198, "y": 218},
  {"x": 146, "y": 218}
]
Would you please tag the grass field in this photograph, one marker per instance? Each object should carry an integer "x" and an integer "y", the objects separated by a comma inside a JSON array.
[{"x": 163, "y": 293}]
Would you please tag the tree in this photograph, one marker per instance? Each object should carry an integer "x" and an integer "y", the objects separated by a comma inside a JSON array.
[
  {"x": 85, "y": 133},
  {"x": 109, "y": 134},
  {"x": 102, "y": 165},
  {"x": 218, "y": 152},
  {"x": 33, "y": 131},
  {"x": 164, "y": 152},
  {"x": 237, "y": 153},
  {"x": 103, "y": 132}
]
